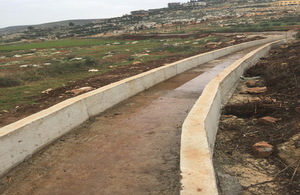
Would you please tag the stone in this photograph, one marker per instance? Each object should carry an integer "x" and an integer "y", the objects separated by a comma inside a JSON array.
[
  {"x": 228, "y": 116},
  {"x": 47, "y": 91},
  {"x": 93, "y": 70},
  {"x": 289, "y": 152},
  {"x": 284, "y": 46},
  {"x": 141, "y": 55},
  {"x": 177, "y": 44},
  {"x": 255, "y": 90},
  {"x": 254, "y": 100},
  {"x": 211, "y": 45},
  {"x": 77, "y": 59},
  {"x": 231, "y": 42},
  {"x": 232, "y": 123},
  {"x": 136, "y": 63},
  {"x": 267, "y": 120},
  {"x": 109, "y": 53},
  {"x": 268, "y": 100},
  {"x": 80, "y": 90},
  {"x": 108, "y": 56},
  {"x": 262, "y": 149},
  {"x": 24, "y": 66},
  {"x": 297, "y": 109},
  {"x": 252, "y": 83},
  {"x": 229, "y": 184}
]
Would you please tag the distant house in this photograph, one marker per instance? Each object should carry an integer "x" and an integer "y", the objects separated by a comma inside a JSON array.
[
  {"x": 174, "y": 5},
  {"x": 140, "y": 13},
  {"x": 156, "y": 11},
  {"x": 286, "y": 3},
  {"x": 194, "y": 3}
]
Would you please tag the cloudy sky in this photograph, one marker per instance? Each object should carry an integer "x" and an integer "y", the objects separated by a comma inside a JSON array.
[{"x": 28, "y": 12}]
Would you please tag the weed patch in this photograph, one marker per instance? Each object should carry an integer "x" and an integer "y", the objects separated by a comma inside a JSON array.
[
  {"x": 172, "y": 48},
  {"x": 40, "y": 73},
  {"x": 9, "y": 81},
  {"x": 298, "y": 34}
]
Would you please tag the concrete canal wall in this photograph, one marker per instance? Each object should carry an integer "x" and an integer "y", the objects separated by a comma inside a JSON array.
[{"x": 200, "y": 127}]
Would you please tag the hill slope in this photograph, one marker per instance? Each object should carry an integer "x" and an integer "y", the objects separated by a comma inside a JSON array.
[{"x": 15, "y": 29}]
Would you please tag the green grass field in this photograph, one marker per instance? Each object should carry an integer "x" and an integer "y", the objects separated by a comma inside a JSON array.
[
  {"x": 30, "y": 68},
  {"x": 55, "y": 44}
]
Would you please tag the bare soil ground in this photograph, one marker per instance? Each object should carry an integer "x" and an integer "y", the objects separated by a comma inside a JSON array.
[
  {"x": 117, "y": 73},
  {"x": 238, "y": 169}
]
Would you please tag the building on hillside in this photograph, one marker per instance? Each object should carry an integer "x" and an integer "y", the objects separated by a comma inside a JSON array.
[
  {"x": 286, "y": 3},
  {"x": 140, "y": 13},
  {"x": 156, "y": 11},
  {"x": 174, "y": 5},
  {"x": 194, "y": 3}
]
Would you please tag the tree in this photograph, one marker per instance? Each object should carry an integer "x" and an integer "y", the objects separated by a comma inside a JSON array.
[
  {"x": 71, "y": 24},
  {"x": 30, "y": 28}
]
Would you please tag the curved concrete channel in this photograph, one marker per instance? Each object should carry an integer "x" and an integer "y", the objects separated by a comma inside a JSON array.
[{"x": 132, "y": 148}]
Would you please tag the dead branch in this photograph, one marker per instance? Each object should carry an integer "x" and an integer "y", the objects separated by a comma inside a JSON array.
[
  {"x": 295, "y": 171},
  {"x": 261, "y": 183}
]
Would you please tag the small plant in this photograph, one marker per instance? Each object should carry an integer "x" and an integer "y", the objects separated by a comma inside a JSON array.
[
  {"x": 55, "y": 70},
  {"x": 30, "y": 76},
  {"x": 9, "y": 81},
  {"x": 89, "y": 61},
  {"x": 172, "y": 48},
  {"x": 298, "y": 34}
]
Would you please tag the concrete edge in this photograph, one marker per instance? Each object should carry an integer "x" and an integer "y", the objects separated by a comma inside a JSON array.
[
  {"x": 200, "y": 127},
  {"x": 20, "y": 140}
]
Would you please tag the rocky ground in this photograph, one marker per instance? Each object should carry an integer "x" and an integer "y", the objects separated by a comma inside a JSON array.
[{"x": 258, "y": 144}]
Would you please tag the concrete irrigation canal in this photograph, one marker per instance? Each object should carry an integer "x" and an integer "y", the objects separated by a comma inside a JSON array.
[{"x": 130, "y": 148}]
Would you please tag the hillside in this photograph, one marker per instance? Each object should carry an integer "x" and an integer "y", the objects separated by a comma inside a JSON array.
[
  {"x": 225, "y": 16},
  {"x": 16, "y": 29}
]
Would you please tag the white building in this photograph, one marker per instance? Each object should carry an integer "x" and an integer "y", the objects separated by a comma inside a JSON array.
[{"x": 194, "y": 3}]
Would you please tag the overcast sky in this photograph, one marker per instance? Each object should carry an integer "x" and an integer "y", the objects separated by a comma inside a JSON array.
[{"x": 29, "y": 12}]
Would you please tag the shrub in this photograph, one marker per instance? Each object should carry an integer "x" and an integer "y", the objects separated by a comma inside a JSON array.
[
  {"x": 56, "y": 69},
  {"x": 298, "y": 34},
  {"x": 30, "y": 76},
  {"x": 172, "y": 48},
  {"x": 89, "y": 61},
  {"x": 9, "y": 81}
]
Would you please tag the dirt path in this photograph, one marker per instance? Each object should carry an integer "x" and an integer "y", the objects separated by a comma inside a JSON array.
[{"x": 132, "y": 148}]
